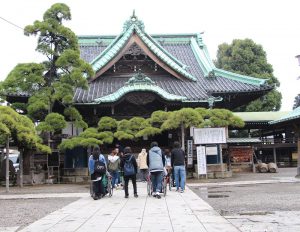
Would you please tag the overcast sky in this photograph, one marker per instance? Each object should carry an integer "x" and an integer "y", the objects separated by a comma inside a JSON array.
[{"x": 273, "y": 24}]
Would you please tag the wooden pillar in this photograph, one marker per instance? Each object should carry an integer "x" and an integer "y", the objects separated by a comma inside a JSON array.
[
  {"x": 182, "y": 137},
  {"x": 112, "y": 110},
  {"x": 274, "y": 155}
]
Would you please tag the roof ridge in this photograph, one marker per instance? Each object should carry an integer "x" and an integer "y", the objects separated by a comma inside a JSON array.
[{"x": 210, "y": 69}]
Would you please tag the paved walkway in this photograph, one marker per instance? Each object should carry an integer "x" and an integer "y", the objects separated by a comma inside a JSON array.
[
  {"x": 176, "y": 212},
  {"x": 42, "y": 195}
]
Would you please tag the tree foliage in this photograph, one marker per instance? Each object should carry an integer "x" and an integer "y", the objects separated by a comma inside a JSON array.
[
  {"x": 186, "y": 116},
  {"x": 296, "y": 101},
  {"x": 53, "y": 122},
  {"x": 20, "y": 129},
  {"x": 109, "y": 128},
  {"x": 248, "y": 58}
]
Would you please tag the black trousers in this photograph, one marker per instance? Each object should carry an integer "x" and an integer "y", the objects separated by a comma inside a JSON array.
[
  {"x": 126, "y": 180},
  {"x": 98, "y": 187}
]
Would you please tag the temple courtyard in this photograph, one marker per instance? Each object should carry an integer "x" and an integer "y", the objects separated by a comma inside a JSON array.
[{"x": 246, "y": 202}]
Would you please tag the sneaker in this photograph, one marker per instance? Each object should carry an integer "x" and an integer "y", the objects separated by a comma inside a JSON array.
[
  {"x": 135, "y": 195},
  {"x": 126, "y": 196},
  {"x": 181, "y": 191},
  {"x": 158, "y": 196}
]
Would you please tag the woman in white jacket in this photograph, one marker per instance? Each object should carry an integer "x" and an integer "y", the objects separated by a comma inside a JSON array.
[{"x": 142, "y": 164}]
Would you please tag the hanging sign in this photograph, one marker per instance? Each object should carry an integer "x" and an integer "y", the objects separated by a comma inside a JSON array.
[
  {"x": 201, "y": 160},
  {"x": 209, "y": 135},
  {"x": 190, "y": 152}
]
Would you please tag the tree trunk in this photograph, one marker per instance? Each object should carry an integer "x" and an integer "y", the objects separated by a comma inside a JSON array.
[
  {"x": 21, "y": 167},
  {"x": 182, "y": 137},
  {"x": 7, "y": 165},
  {"x": 26, "y": 162}
]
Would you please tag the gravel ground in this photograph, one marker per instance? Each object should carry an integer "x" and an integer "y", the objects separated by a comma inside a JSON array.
[
  {"x": 23, "y": 212},
  {"x": 55, "y": 188},
  {"x": 252, "y": 199}
]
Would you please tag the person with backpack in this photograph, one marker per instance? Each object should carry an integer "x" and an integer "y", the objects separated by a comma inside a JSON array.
[
  {"x": 97, "y": 168},
  {"x": 129, "y": 166},
  {"x": 156, "y": 163},
  {"x": 114, "y": 166}
]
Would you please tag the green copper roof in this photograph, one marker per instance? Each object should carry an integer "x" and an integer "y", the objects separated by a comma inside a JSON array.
[
  {"x": 260, "y": 116},
  {"x": 210, "y": 70},
  {"x": 119, "y": 42},
  {"x": 295, "y": 114},
  {"x": 243, "y": 140},
  {"x": 139, "y": 82}
]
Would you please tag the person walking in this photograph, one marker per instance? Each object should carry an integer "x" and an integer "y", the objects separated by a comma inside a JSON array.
[
  {"x": 177, "y": 161},
  {"x": 156, "y": 163},
  {"x": 114, "y": 167},
  {"x": 97, "y": 168},
  {"x": 142, "y": 164},
  {"x": 129, "y": 166}
]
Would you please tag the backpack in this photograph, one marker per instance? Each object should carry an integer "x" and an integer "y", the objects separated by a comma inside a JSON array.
[
  {"x": 99, "y": 167},
  {"x": 128, "y": 167}
]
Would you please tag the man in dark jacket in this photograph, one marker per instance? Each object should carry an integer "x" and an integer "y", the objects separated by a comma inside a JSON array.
[
  {"x": 156, "y": 163},
  {"x": 177, "y": 161},
  {"x": 129, "y": 166}
]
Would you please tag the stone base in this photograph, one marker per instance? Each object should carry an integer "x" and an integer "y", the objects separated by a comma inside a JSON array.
[
  {"x": 36, "y": 179},
  {"x": 214, "y": 175},
  {"x": 76, "y": 171},
  {"x": 75, "y": 179},
  {"x": 242, "y": 168}
]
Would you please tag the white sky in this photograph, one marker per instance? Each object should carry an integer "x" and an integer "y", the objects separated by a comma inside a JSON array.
[{"x": 273, "y": 24}]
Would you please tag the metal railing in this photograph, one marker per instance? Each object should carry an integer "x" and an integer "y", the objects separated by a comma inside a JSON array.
[{"x": 278, "y": 140}]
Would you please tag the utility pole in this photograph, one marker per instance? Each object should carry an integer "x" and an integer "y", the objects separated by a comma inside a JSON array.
[{"x": 7, "y": 165}]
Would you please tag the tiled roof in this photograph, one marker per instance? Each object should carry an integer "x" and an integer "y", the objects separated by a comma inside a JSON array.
[
  {"x": 175, "y": 50},
  {"x": 295, "y": 114}
]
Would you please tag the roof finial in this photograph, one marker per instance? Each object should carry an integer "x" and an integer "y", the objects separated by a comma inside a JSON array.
[
  {"x": 133, "y": 20},
  {"x": 133, "y": 17}
]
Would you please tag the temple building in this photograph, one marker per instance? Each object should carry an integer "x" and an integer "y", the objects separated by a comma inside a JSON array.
[{"x": 137, "y": 73}]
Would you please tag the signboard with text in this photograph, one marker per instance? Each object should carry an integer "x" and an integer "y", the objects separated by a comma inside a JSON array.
[
  {"x": 190, "y": 152},
  {"x": 209, "y": 135},
  {"x": 201, "y": 160}
]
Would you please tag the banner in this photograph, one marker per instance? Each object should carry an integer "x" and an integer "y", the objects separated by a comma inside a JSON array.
[
  {"x": 190, "y": 152},
  {"x": 209, "y": 135},
  {"x": 201, "y": 160}
]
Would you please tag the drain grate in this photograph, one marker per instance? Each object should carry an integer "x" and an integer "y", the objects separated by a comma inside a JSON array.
[{"x": 217, "y": 196}]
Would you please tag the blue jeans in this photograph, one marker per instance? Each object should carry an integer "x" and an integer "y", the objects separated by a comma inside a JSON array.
[
  {"x": 156, "y": 178},
  {"x": 115, "y": 178},
  {"x": 179, "y": 172}
]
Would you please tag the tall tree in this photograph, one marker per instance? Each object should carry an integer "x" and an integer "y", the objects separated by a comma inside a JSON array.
[
  {"x": 55, "y": 79},
  {"x": 248, "y": 58}
]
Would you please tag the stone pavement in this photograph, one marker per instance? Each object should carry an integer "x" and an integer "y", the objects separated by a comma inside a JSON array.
[
  {"x": 278, "y": 221},
  {"x": 177, "y": 212},
  {"x": 248, "y": 182}
]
